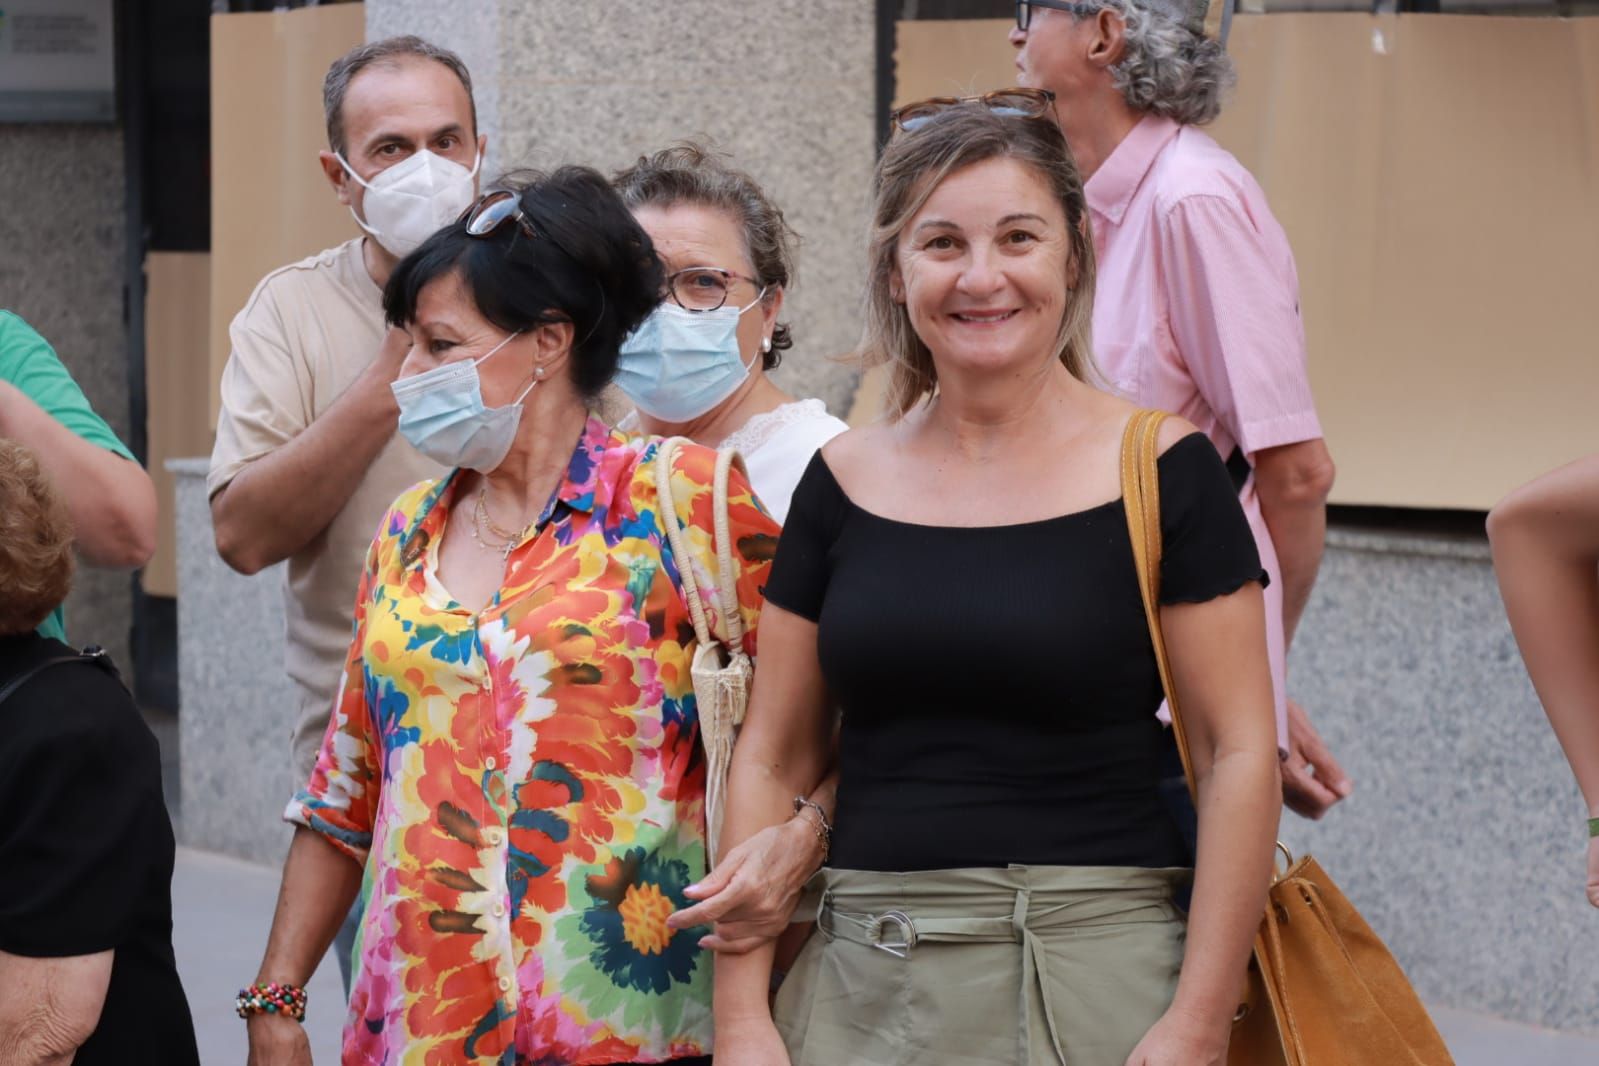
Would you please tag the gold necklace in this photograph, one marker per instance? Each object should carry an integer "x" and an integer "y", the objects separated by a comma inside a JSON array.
[
  {"x": 483, "y": 527},
  {"x": 488, "y": 519}
]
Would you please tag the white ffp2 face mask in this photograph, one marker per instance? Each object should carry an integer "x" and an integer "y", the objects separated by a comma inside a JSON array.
[{"x": 410, "y": 201}]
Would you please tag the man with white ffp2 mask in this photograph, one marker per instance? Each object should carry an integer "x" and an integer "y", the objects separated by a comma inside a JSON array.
[
  {"x": 307, "y": 459},
  {"x": 405, "y": 203}
]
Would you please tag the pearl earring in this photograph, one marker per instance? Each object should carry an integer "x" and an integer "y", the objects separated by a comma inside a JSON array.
[
  {"x": 766, "y": 344},
  {"x": 538, "y": 372}
]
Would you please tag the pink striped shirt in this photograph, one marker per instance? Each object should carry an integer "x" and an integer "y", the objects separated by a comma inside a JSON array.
[{"x": 1197, "y": 311}]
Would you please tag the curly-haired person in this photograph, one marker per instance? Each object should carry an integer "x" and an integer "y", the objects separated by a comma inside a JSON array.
[
  {"x": 87, "y": 973},
  {"x": 1197, "y": 310}
]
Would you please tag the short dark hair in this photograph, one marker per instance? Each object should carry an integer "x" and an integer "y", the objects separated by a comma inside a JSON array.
[
  {"x": 391, "y": 51},
  {"x": 590, "y": 264},
  {"x": 691, "y": 173}
]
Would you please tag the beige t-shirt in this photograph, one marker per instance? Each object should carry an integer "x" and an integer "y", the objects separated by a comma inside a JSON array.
[{"x": 305, "y": 335}]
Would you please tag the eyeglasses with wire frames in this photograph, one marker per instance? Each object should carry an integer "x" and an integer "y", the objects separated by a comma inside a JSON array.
[
  {"x": 1018, "y": 103},
  {"x": 1024, "y": 10},
  {"x": 706, "y": 288},
  {"x": 492, "y": 211}
]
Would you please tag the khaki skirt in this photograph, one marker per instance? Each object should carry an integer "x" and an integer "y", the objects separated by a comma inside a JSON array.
[{"x": 1041, "y": 966}]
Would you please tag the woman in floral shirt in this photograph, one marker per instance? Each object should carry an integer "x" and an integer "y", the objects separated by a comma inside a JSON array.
[{"x": 513, "y": 757}]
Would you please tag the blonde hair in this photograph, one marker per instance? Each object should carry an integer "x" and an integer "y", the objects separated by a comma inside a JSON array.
[
  {"x": 913, "y": 165},
  {"x": 35, "y": 542}
]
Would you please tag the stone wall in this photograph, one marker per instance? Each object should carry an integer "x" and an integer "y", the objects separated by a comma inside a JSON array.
[
  {"x": 239, "y": 707},
  {"x": 785, "y": 88},
  {"x": 1463, "y": 842},
  {"x": 62, "y": 249}
]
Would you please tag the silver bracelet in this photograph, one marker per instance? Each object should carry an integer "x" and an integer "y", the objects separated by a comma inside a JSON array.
[{"x": 823, "y": 828}]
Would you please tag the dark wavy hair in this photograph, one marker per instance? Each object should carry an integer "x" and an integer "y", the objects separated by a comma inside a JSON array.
[
  {"x": 692, "y": 173},
  {"x": 589, "y": 263}
]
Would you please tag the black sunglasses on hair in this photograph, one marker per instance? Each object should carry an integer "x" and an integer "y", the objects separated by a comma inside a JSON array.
[
  {"x": 1017, "y": 103},
  {"x": 1024, "y": 10},
  {"x": 493, "y": 210}
]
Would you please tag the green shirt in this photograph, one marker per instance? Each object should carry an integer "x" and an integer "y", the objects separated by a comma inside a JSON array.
[{"x": 28, "y": 362}]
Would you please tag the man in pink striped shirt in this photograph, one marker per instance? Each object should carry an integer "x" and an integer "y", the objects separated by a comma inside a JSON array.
[{"x": 1197, "y": 310}]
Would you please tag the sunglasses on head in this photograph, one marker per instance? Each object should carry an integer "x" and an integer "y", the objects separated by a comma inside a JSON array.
[
  {"x": 1016, "y": 103},
  {"x": 492, "y": 211}
]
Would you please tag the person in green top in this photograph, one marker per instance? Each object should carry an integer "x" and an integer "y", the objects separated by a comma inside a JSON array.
[{"x": 108, "y": 494}]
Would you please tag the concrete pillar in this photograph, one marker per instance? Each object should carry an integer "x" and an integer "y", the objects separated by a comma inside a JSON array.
[
  {"x": 1464, "y": 841},
  {"x": 62, "y": 251},
  {"x": 238, "y": 705},
  {"x": 786, "y": 88}
]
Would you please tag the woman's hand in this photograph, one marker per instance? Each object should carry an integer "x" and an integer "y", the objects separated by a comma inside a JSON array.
[
  {"x": 749, "y": 1042},
  {"x": 754, "y": 889},
  {"x": 1180, "y": 1038},
  {"x": 278, "y": 1041},
  {"x": 319, "y": 884}
]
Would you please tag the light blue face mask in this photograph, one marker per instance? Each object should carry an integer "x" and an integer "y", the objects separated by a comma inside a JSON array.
[
  {"x": 680, "y": 364},
  {"x": 442, "y": 415}
]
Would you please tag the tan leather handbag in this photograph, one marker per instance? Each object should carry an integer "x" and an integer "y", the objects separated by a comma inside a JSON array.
[
  {"x": 1322, "y": 989},
  {"x": 720, "y": 671}
]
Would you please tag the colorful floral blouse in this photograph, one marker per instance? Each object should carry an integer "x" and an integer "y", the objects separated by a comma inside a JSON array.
[{"x": 524, "y": 785}]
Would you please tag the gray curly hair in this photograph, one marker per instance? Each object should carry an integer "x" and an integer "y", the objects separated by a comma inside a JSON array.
[{"x": 1170, "y": 68}]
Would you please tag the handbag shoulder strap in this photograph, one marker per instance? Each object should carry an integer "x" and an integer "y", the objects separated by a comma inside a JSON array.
[
  {"x": 92, "y": 654},
  {"x": 1141, "y": 500},
  {"x": 727, "y": 595},
  {"x": 727, "y": 587}
]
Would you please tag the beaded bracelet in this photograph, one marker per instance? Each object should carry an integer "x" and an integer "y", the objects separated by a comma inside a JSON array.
[
  {"x": 272, "y": 997},
  {"x": 822, "y": 828}
]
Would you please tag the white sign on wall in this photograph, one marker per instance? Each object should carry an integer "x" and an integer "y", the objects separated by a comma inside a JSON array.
[{"x": 57, "y": 61}]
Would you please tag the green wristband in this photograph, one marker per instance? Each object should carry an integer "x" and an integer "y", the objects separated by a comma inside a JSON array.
[{"x": 1593, "y": 827}]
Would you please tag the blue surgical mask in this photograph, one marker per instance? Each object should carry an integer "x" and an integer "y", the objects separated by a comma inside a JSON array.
[
  {"x": 442, "y": 415},
  {"x": 680, "y": 364}
]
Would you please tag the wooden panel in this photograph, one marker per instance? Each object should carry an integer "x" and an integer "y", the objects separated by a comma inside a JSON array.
[
  {"x": 176, "y": 340},
  {"x": 270, "y": 202}
]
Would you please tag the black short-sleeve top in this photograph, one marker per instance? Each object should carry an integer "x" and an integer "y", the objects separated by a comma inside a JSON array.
[
  {"x": 998, "y": 684},
  {"x": 87, "y": 848}
]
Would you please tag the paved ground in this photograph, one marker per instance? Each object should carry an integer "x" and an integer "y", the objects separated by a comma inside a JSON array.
[
  {"x": 223, "y": 907},
  {"x": 221, "y": 912},
  {"x": 1479, "y": 1040}
]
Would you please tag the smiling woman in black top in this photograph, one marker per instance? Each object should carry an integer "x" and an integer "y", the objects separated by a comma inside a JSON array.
[
  {"x": 87, "y": 973},
  {"x": 959, "y": 580}
]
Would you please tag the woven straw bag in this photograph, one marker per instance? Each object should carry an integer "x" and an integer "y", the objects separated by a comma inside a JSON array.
[{"x": 720, "y": 671}]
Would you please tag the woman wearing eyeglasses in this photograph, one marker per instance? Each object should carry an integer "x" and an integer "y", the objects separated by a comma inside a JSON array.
[
  {"x": 959, "y": 579},
  {"x": 511, "y": 760},
  {"x": 699, "y": 366}
]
